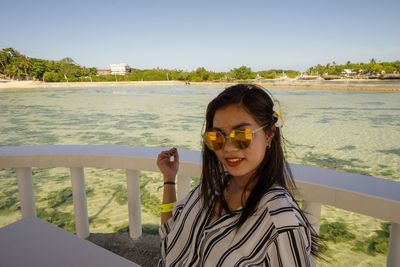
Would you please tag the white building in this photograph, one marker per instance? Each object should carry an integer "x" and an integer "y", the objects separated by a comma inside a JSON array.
[
  {"x": 121, "y": 68},
  {"x": 348, "y": 72}
]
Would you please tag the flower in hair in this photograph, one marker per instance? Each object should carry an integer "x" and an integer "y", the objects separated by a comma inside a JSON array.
[{"x": 278, "y": 114}]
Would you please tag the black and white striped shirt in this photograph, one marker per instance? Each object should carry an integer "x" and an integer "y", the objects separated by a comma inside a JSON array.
[{"x": 275, "y": 235}]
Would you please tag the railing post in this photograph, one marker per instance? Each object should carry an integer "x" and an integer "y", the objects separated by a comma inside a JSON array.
[
  {"x": 25, "y": 188},
  {"x": 183, "y": 186},
  {"x": 134, "y": 209},
  {"x": 393, "y": 257},
  {"x": 312, "y": 210},
  {"x": 80, "y": 205}
]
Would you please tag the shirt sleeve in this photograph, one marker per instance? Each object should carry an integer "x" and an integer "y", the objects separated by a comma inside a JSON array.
[
  {"x": 166, "y": 227},
  {"x": 164, "y": 230},
  {"x": 291, "y": 247}
]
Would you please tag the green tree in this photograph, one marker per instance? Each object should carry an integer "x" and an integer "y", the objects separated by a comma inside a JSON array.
[
  {"x": 154, "y": 75},
  {"x": 92, "y": 71},
  {"x": 199, "y": 75},
  {"x": 24, "y": 64},
  {"x": 4, "y": 59},
  {"x": 242, "y": 73},
  {"x": 38, "y": 70},
  {"x": 12, "y": 52},
  {"x": 377, "y": 68},
  {"x": 52, "y": 77},
  {"x": 13, "y": 72},
  {"x": 389, "y": 69},
  {"x": 202, "y": 73}
]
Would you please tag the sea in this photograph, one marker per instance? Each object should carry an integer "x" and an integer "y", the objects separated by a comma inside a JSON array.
[{"x": 350, "y": 131}]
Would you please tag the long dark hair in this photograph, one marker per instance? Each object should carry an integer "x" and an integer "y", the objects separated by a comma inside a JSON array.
[{"x": 273, "y": 170}]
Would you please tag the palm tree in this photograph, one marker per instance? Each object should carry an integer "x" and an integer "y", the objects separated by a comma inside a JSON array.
[
  {"x": 3, "y": 59},
  {"x": 5, "y": 56},
  {"x": 24, "y": 64},
  {"x": 11, "y": 71}
]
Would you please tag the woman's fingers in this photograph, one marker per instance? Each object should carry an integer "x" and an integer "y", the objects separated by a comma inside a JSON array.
[
  {"x": 168, "y": 163},
  {"x": 168, "y": 153},
  {"x": 176, "y": 155},
  {"x": 164, "y": 154},
  {"x": 167, "y": 156},
  {"x": 172, "y": 153}
]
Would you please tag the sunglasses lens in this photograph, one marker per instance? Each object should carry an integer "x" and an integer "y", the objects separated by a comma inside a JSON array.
[
  {"x": 241, "y": 138},
  {"x": 214, "y": 140}
]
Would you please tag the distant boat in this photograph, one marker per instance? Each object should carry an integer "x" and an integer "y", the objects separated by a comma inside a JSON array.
[
  {"x": 331, "y": 77},
  {"x": 308, "y": 77},
  {"x": 392, "y": 76}
]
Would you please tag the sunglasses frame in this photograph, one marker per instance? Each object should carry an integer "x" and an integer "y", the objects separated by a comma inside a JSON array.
[{"x": 227, "y": 137}]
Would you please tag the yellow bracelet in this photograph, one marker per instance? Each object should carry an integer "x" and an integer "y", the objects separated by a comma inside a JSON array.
[{"x": 168, "y": 207}]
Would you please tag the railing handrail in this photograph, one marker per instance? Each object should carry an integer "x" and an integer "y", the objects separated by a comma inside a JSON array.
[
  {"x": 368, "y": 195},
  {"x": 95, "y": 156}
]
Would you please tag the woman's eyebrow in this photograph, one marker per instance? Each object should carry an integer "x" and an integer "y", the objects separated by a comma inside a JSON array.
[
  {"x": 237, "y": 126},
  {"x": 240, "y": 125}
]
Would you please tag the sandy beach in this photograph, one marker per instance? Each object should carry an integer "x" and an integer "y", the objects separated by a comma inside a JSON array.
[{"x": 371, "y": 86}]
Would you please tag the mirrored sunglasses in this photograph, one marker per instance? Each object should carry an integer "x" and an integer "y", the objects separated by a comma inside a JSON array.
[{"x": 240, "y": 138}]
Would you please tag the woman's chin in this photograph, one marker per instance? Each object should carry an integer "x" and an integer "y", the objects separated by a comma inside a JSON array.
[{"x": 236, "y": 173}]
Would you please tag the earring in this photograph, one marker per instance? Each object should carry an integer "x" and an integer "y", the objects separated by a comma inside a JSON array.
[{"x": 268, "y": 146}]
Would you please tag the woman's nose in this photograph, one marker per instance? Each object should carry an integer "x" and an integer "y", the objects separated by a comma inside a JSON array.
[{"x": 228, "y": 146}]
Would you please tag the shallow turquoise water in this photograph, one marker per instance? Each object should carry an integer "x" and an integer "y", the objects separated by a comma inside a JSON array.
[{"x": 351, "y": 131}]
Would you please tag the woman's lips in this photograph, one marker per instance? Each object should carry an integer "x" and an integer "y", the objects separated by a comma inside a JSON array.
[{"x": 233, "y": 162}]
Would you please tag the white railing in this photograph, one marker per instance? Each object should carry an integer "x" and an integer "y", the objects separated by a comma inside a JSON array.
[{"x": 367, "y": 195}]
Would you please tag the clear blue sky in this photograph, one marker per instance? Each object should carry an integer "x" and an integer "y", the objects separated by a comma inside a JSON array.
[{"x": 218, "y": 35}]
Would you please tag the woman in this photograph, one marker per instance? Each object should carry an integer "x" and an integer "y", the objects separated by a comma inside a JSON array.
[{"x": 243, "y": 212}]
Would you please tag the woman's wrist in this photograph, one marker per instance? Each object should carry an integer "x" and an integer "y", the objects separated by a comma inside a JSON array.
[
  {"x": 168, "y": 185},
  {"x": 169, "y": 179}
]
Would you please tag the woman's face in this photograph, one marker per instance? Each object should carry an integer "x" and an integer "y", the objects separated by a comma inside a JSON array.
[{"x": 240, "y": 163}]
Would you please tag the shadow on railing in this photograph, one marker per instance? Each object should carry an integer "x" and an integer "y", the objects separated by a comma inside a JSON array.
[{"x": 367, "y": 195}]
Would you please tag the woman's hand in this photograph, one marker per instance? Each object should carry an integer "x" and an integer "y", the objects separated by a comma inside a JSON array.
[{"x": 168, "y": 168}]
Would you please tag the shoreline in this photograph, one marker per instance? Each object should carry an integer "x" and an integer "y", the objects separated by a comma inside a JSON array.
[{"x": 342, "y": 85}]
